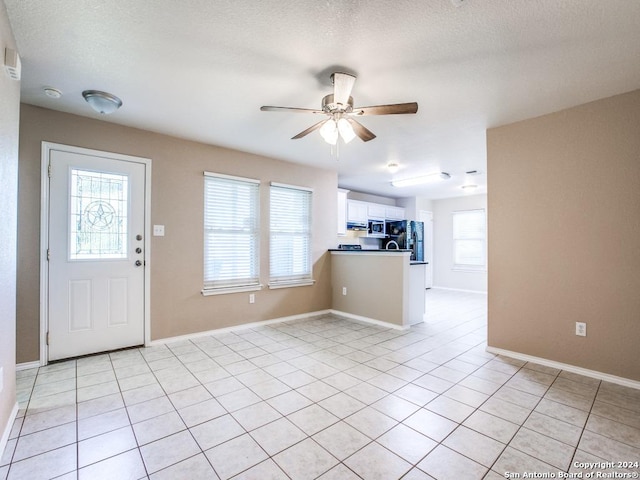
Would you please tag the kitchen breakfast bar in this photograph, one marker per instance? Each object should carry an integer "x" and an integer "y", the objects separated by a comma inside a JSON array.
[{"x": 384, "y": 286}]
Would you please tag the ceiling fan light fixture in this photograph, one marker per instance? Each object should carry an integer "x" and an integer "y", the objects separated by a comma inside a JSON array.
[
  {"x": 432, "y": 177},
  {"x": 346, "y": 130},
  {"x": 102, "y": 102},
  {"x": 329, "y": 131}
]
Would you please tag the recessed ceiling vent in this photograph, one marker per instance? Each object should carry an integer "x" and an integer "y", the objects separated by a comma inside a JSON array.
[
  {"x": 474, "y": 172},
  {"x": 12, "y": 64}
]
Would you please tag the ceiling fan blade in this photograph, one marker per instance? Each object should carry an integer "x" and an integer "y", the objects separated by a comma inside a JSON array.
[
  {"x": 361, "y": 131},
  {"x": 342, "y": 86},
  {"x": 310, "y": 129},
  {"x": 392, "y": 109},
  {"x": 267, "y": 108}
]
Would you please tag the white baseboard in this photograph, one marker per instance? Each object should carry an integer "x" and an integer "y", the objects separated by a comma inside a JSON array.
[
  {"x": 435, "y": 287},
  {"x": 27, "y": 365},
  {"x": 565, "y": 366},
  {"x": 7, "y": 428},
  {"x": 372, "y": 321},
  {"x": 237, "y": 328}
]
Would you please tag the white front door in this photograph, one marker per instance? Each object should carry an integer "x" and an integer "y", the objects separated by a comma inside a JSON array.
[{"x": 96, "y": 283}]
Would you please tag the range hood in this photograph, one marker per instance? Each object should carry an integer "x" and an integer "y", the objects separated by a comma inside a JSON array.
[{"x": 357, "y": 226}]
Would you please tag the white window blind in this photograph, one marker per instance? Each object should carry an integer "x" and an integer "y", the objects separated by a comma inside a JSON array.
[
  {"x": 290, "y": 235},
  {"x": 469, "y": 239},
  {"x": 231, "y": 232}
]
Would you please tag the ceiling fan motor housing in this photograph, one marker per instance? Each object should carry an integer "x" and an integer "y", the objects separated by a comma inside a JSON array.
[{"x": 330, "y": 107}]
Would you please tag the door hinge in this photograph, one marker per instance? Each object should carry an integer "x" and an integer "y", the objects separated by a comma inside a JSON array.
[
  {"x": 48, "y": 254},
  {"x": 47, "y": 338},
  {"x": 49, "y": 170}
]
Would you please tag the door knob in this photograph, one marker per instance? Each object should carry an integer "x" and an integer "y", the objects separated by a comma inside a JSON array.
[
  {"x": 138, "y": 250},
  {"x": 138, "y": 263}
]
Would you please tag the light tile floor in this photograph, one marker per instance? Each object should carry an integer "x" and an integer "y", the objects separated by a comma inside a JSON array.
[{"x": 321, "y": 398}]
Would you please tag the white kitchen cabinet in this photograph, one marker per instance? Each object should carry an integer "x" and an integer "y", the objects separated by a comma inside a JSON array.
[
  {"x": 376, "y": 211},
  {"x": 394, "y": 213},
  {"x": 357, "y": 211},
  {"x": 342, "y": 212}
]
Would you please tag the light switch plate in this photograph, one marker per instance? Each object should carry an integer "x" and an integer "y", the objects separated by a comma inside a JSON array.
[{"x": 158, "y": 230}]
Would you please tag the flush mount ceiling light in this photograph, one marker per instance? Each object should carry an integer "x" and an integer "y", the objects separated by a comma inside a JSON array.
[
  {"x": 102, "y": 102},
  {"x": 432, "y": 177},
  {"x": 393, "y": 167}
]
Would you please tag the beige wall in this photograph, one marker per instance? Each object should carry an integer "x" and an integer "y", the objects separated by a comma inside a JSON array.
[
  {"x": 177, "y": 307},
  {"x": 444, "y": 275},
  {"x": 10, "y": 108},
  {"x": 375, "y": 285},
  {"x": 564, "y": 235}
]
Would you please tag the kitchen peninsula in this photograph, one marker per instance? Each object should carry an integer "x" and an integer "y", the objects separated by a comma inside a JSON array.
[{"x": 379, "y": 285}]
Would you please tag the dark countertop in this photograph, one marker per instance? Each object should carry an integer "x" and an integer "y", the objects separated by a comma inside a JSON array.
[{"x": 370, "y": 250}]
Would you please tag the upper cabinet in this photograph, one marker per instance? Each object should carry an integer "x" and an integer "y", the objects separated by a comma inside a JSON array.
[
  {"x": 342, "y": 212},
  {"x": 357, "y": 212},
  {"x": 394, "y": 213},
  {"x": 375, "y": 211}
]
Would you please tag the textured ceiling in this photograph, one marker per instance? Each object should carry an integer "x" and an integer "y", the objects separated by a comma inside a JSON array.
[{"x": 201, "y": 69}]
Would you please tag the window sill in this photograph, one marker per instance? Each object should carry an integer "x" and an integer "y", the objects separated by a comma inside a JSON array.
[
  {"x": 469, "y": 270},
  {"x": 223, "y": 291},
  {"x": 301, "y": 283}
]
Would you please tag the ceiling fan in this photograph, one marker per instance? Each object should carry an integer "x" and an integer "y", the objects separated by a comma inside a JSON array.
[{"x": 341, "y": 112}]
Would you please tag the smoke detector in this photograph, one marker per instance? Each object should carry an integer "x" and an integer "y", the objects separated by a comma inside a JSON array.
[{"x": 52, "y": 92}]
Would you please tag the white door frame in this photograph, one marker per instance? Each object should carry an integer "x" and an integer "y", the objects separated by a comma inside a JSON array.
[
  {"x": 47, "y": 147},
  {"x": 425, "y": 215}
]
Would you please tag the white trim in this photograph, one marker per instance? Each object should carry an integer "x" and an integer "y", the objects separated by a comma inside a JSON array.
[
  {"x": 435, "y": 287},
  {"x": 206, "y": 292},
  {"x": 372, "y": 321},
  {"x": 231, "y": 177},
  {"x": 467, "y": 269},
  {"x": 299, "y": 283},
  {"x": 565, "y": 366},
  {"x": 46, "y": 149},
  {"x": 8, "y": 427},
  {"x": 235, "y": 328},
  {"x": 27, "y": 365},
  {"x": 292, "y": 187}
]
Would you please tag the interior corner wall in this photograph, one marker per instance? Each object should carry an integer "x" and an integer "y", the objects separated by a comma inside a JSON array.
[
  {"x": 444, "y": 275},
  {"x": 9, "y": 122},
  {"x": 564, "y": 236},
  {"x": 177, "y": 192}
]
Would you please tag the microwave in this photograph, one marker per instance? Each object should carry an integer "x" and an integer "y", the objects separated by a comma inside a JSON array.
[{"x": 375, "y": 228}]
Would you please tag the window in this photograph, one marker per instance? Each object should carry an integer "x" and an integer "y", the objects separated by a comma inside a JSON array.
[
  {"x": 231, "y": 234},
  {"x": 469, "y": 240},
  {"x": 98, "y": 208},
  {"x": 290, "y": 236}
]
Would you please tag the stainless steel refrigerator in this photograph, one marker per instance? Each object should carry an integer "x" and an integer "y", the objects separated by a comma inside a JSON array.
[{"x": 409, "y": 235}]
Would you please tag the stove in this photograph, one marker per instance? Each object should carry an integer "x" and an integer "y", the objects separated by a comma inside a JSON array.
[{"x": 348, "y": 246}]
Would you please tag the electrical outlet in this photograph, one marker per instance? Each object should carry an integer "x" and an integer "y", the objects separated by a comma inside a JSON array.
[
  {"x": 252, "y": 298},
  {"x": 344, "y": 290},
  {"x": 581, "y": 329}
]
